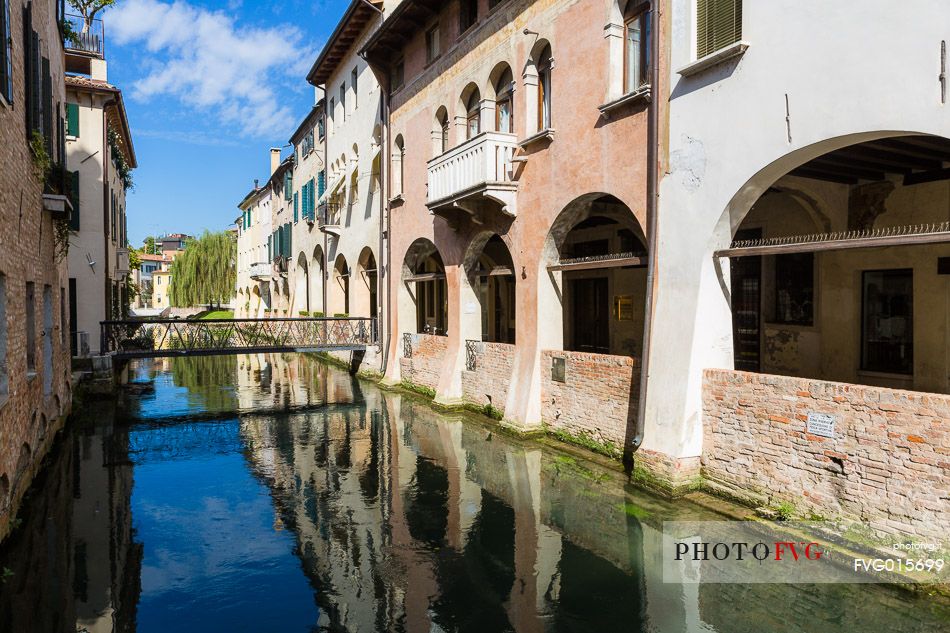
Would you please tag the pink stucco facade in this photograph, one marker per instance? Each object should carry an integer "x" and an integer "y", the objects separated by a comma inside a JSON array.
[{"x": 587, "y": 154}]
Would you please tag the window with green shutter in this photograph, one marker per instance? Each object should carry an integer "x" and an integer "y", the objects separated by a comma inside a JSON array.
[
  {"x": 321, "y": 183},
  {"x": 72, "y": 119},
  {"x": 288, "y": 185},
  {"x": 74, "y": 199},
  {"x": 295, "y": 206},
  {"x": 718, "y": 24}
]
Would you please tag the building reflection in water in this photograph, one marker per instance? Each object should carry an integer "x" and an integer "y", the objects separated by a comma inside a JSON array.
[
  {"x": 280, "y": 491},
  {"x": 73, "y": 565}
]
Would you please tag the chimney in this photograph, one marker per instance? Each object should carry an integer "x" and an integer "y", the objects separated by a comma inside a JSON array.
[
  {"x": 274, "y": 159},
  {"x": 255, "y": 183}
]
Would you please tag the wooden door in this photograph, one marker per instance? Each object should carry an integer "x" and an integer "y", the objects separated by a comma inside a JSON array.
[{"x": 746, "y": 276}]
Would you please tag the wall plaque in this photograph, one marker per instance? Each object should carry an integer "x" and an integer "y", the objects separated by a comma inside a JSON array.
[
  {"x": 623, "y": 307},
  {"x": 822, "y": 424}
]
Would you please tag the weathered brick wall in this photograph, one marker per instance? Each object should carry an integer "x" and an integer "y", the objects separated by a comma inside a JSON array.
[
  {"x": 888, "y": 464},
  {"x": 599, "y": 397},
  {"x": 28, "y": 417},
  {"x": 425, "y": 365},
  {"x": 489, "y": 382}
]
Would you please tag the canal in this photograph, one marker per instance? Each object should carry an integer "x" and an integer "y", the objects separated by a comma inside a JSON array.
[{"x": 273, "y": 493}]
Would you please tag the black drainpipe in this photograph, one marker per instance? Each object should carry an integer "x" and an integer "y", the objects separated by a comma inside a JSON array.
[{"x": 653, "y": 195}]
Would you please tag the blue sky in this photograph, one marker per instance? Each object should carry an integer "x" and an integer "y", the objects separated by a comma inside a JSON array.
[{"x": 209, "y": 87}]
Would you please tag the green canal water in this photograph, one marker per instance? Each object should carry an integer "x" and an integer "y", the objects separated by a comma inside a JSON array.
[{"x": 258, "y": 493}]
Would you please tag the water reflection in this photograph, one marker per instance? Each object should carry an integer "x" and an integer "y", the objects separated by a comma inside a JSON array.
[{"x": 359, "y": 510}]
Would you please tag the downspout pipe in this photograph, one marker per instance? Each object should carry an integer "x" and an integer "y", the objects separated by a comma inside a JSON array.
[
  {"x": 653, "y": 194},
  {"x": 385, "y": 236}
]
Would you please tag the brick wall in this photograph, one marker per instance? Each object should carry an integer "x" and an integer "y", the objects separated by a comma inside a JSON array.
[
  {"x": 29, "y": 418},
  {"x": 425, "y": 365},
  {"x": 489, "y": 382},
  {"x": 888, "y": 464},
  {"x": 599, "y": 397}
]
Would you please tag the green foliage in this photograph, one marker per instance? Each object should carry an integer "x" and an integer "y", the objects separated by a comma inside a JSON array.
[
  {"x": 150, "y": 248},
  {"x": 89, "y": 8},
  {"x": 342, "y": 315},
  {"x": 61, "y": 238},
  {"x": 584, "y": 440},
  {"x": 785, "y": 511},
  {"x": 215, "y": 314},
  {"x": 420, "y": 389},
  {"x": 41, "y": 160},
  {"x": 6, "y": 575},
  {"x": 118, "y": 158},
  {"x": 66, "y": 28},
  {"x": 304, "y": 313},
  {"x": 205, "y": 272},
  {"x": 207, "y": 378},
  {"x": 135, "y": 259}
]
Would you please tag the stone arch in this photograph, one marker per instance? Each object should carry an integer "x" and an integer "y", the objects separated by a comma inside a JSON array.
[
  {"x": 301, "y": 286},
  {"x": 366, "y": 286},
  {"x": 499, "y": 91},
  {"x": 595, "y": 226},
  {"x": 338, "y": 294},
  {"x": 22, "y": 463},
  {"x": 469, "y": 111},
  {"x": 256, "y": 307},
  {"x": 489, "y": 282},
  {"x": 766, "y": 310},
  {"x": 317, "y": 276},
  {"x": 758, "y": 183},
  {"x": 441, "y": 127},
  {"x": 536, "y": 76},
  {"x": 423, "y": 295}
]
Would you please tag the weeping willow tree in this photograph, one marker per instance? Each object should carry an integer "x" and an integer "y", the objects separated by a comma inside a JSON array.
[{"x": 204, "y": 274}]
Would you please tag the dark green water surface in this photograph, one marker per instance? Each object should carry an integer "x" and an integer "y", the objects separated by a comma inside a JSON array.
[{"x": 261, "y": 493}]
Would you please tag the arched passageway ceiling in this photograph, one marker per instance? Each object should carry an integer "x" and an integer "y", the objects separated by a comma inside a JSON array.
[
  {"x": 418, "y": 253},
  {"x": 905, "y": 158}
]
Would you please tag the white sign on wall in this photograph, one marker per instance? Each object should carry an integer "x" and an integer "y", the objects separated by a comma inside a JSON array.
[{"x": 822, "y": 424}]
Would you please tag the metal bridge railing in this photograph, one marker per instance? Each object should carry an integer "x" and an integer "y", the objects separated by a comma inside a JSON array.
[{"x": 182, "y": 337}]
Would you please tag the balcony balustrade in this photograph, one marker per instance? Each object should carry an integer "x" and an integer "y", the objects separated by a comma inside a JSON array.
[
  {"x": 478, "y": 170},
  {"x": 330, "y": 215},
  {"x": 87, "y": 39},
  {"x": 261, "y": 271}
]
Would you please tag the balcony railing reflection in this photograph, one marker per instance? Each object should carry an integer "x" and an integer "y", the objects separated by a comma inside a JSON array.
[{"x": 88, "y": 37}]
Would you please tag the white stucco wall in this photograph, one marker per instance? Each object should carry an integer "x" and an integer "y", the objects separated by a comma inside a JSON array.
[{"x": 851, "y": 71}]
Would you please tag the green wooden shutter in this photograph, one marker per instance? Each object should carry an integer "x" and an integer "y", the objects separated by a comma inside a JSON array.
[
  {"x": 321, "y": 183},
  {"x": 295, "y": 206},
  {"x": 288, "y": 185},
  {"x": 72, "y": 119},
  {"x": 74, "y": 198},
  {"x": 718, "y": 24}
]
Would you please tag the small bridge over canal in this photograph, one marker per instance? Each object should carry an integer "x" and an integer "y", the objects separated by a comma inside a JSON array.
[{"x": 152, "y": 338}]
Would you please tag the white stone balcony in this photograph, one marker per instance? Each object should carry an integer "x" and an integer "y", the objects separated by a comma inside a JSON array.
[
  {"x": 478, "y": 170},
  {"x": 261, "y": 271}
]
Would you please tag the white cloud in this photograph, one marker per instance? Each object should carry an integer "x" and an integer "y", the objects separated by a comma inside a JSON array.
[{"x": 211, "y": 63}]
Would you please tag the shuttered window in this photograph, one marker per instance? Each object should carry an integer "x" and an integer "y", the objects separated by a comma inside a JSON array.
[
  {"x": 295, "y": 206},
  {"x": 718, "y": 24},
  {"x": 72, "y": 119},
  {"x": 74, "y": 199},
  {"x": 6, "y": 53},
  {"x": 288, "y": 185},
  {"x": 321, "y": 183}
]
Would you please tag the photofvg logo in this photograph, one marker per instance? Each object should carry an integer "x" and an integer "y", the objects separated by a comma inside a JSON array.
[{"x": 755, "y": 552}]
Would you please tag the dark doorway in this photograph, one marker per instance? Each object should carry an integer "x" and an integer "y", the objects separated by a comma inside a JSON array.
[
  {"x": 590, "y": 324},
  {"x": 746, "y": 275}
]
